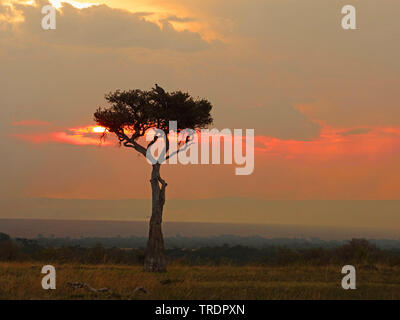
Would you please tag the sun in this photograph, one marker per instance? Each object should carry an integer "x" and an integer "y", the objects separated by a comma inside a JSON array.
[
  {"x": 58, "y": 4},
  {"x": 88, "y": 130},
  {"x": 98, "y": 129}
]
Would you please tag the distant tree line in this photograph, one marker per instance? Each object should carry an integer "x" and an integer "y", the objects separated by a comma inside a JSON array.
[
  {"x": 178, "y": 241},
  {"x": 356, "y": 251}
]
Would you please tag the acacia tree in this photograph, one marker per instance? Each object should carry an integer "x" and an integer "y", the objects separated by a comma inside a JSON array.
[{"x": 129, "y": 116}]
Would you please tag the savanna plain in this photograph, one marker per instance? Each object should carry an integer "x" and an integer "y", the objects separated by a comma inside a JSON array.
[{"x": 22, "y": 280}]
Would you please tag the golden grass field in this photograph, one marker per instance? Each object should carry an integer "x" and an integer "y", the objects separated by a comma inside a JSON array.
[{"x": 23, "y": 281}]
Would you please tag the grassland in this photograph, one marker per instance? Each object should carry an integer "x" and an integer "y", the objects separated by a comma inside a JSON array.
[{"x": 23, "y": 281}]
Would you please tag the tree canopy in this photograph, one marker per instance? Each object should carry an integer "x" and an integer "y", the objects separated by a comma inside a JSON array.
[{"x": 131, "y": 113}]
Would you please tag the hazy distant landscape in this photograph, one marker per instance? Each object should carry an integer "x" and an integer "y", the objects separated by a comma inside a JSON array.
[
  {"x": 32, "y": 228},
  {"x": 337, "y": 219}
]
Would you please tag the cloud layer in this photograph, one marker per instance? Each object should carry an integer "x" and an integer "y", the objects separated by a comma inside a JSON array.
[{"x": 102, "y": 26}]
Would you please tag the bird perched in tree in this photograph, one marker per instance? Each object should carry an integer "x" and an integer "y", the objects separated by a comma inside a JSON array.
[{"x": 160, "y": 90}]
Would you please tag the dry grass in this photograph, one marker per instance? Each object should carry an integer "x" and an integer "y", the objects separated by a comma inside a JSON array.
[{"x": 23, "y": 281}]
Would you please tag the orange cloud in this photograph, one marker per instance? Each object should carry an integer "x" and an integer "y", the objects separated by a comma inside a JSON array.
[
  {"x": 331, "y": 144},
  {"x": 81, "y": 136},
  {"x": 334, "y": 142},
  {"x": 61, "y": 137}
]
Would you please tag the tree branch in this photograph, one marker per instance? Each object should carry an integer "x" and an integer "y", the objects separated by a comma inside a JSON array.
[
  {"x": 131, "y": 143},
  {"x": 184, "y": 147}
]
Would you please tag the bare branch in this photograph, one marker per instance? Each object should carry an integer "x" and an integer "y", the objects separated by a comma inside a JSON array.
[
  {"x": 130, "y": 142},
  {"x": 133, "y": 144},
  {"x": 184, "y": 146}
]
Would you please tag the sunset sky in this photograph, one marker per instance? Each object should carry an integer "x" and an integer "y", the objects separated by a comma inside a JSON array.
[{"x": 324, "y": 102}]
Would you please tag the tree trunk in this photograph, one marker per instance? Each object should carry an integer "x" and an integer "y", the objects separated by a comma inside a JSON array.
[{"x": 154, "y": 260}]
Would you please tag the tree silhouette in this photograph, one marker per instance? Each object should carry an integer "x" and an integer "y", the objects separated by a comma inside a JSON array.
[{"x": 129, "y": 116}]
